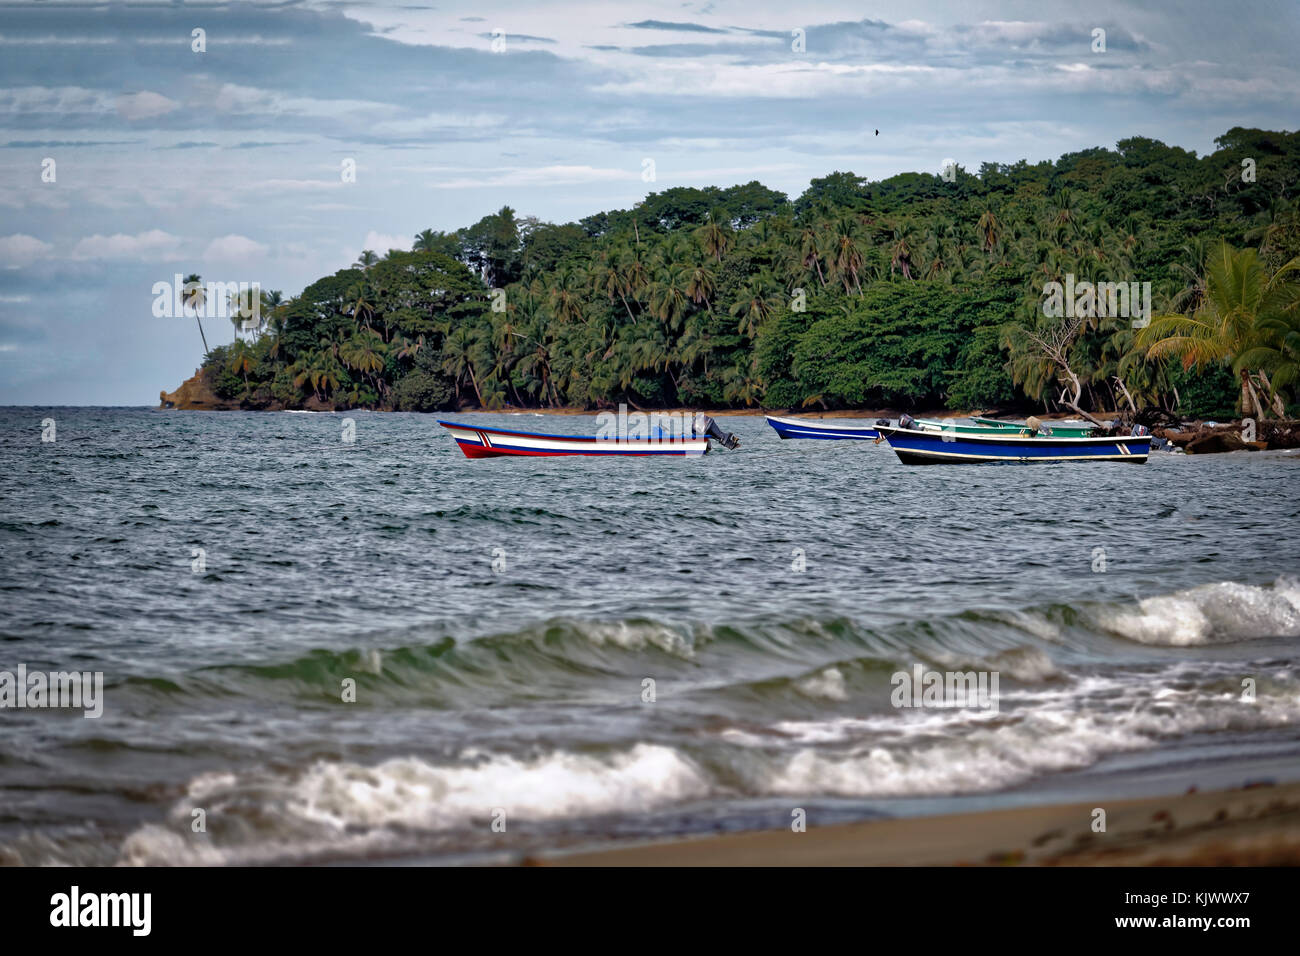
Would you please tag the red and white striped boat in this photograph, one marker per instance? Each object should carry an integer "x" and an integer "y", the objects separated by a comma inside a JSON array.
[{"x": 478, "y": 442}]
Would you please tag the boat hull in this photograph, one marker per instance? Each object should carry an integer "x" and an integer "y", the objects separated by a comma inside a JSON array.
[
  {"x": 916, "y": 447},
  {"x": 816, "y": 428},
  {"x": 478, "y": 442}
]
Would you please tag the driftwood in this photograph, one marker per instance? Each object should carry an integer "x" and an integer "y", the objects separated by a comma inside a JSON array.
[
  {"x": 1200, "y": 439},
  {"x": 1055, "y": 344}
]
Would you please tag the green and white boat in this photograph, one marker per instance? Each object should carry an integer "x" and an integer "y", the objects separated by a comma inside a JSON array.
[
  {"x": 1068, "y": 429},
  {"x": 953, "y": 426},
  {"x": 993, "y": 426}
]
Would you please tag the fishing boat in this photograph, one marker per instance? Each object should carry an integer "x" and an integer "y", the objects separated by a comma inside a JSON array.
[
  {"x": 1073, "y": 429},
  {"x": 962, "y": 428},
  {"x": 480, "y": 442},
  {"x": 916, "y": 446},
  {"x": 819, "y": 428}
]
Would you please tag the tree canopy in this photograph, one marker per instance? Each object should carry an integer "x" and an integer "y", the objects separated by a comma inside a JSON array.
[{"x": 917, "y": 291}]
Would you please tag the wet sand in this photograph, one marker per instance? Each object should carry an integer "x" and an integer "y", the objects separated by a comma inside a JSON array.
[{"x": 1254, "y": 826}]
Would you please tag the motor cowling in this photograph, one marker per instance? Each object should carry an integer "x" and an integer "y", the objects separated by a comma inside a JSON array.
[{"x": 724, "y": 438}]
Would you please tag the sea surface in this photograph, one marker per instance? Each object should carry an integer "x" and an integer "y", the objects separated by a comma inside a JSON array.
[{"x": 560, "y": 653}]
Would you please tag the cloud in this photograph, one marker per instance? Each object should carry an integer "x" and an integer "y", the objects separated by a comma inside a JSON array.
[
  {"x": 145, "y": 105},
  {"x": 438, "y": 122},
  {"x": 542, "y": 176},
  {"x": 527, "y": 38},
  {"x": 670, "y": 25},
  {"x": 252, "y": 101},
  {"x": 381, "y": 243},
  {"x": 64, "y": 143},
  {"x": 152, "y": 245},
  {"x": 21, "y": 250},
  {"x": 234, "y": 248}
]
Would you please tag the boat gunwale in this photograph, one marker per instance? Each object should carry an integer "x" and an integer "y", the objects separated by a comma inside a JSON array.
[{"x": 582, "y": 438}]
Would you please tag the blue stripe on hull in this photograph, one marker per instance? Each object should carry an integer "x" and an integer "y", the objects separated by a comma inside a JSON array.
[{"x": 926, "y": 449}]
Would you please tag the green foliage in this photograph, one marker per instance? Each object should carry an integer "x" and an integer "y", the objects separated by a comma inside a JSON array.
[
  {"x": 914, "y": 291},
  {"x": 421, "y": 391},
  {"x": 1206, "y": 393}
]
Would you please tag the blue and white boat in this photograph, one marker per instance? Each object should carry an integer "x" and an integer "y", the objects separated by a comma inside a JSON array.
[
  {"x": 915, "y": 446},
  {"x": 820, "y": 428}
]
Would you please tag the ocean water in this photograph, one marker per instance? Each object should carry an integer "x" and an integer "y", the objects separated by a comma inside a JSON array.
[{"x": 585, "y": 651}]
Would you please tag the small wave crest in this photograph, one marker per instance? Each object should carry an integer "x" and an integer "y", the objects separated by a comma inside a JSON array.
[
  {"x": 1211, "y": 614},
  {"x": 332, "y": 805}
]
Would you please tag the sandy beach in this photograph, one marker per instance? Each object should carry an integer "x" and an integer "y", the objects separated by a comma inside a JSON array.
[{"x": 1253, "y": 826}]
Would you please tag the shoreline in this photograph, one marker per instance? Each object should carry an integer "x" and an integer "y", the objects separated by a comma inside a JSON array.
[{"x": 1255, "y": 825}]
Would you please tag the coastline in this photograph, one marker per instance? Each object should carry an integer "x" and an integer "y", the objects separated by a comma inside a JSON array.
[{"x": 1256, "y": 825}]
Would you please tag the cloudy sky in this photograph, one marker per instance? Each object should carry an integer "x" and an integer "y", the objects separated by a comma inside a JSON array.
[{"x": 228, "y": 162}]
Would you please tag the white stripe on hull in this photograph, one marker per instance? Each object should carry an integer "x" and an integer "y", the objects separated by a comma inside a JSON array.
[{"x": 540, "y": 443}]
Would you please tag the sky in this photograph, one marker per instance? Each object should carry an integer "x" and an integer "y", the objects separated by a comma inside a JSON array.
[{"x": 128, "y": 156}]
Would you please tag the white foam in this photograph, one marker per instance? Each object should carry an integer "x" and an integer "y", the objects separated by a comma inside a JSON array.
[
  {"x": 334, "y": 807},
  {"x": 827, "y": 684},
  {"x": 636, "y": 636},
  {"x": 971, "y": 751},
  {"x": 1212, "y": 613},
  {"x": 411, "y": 792}
]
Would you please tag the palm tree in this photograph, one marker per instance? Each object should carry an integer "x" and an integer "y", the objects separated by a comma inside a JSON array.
[
  {"x": 239, "y": 305},
  {"x": 989, "y": 229},
  {"x": 272, "y": 300},
  {"x": 1278, "y": 353},
  {"x": 194, "y": 297},
  {"x": 365, "y": 352},
  {"x": 715, "y": 235},
  {"x": 901, "y": 251},
  {"x": 700, "y": 284},
  {"x": 1241, "y": 319},
  {"x": 462, "y": 351},
  {"x": 846, "y": 257},
  {"x": 363, "y": 311},
  {"x": 741, "y": 384},
  {"x": 364, "y": 261},
  {"x": 669, "y": 298},
  {"x": 424, "y": 241},
  {"x": 1191, "y": 271},
  {"x": 565, "y": 294},
  {"x": 608, "y": 277},
  {"x": 756, "y": 303},
  {"x": 810, "y": 251},
  {"x": 320, "y": 369},
  {"x": 241, "y": 358}
]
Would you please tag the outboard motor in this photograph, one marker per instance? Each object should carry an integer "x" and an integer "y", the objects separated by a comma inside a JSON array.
[
  {"x": 906, "y": 421},
  {"x": 1140, "y": 431},
  {"x": 711, "y": 429}
]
